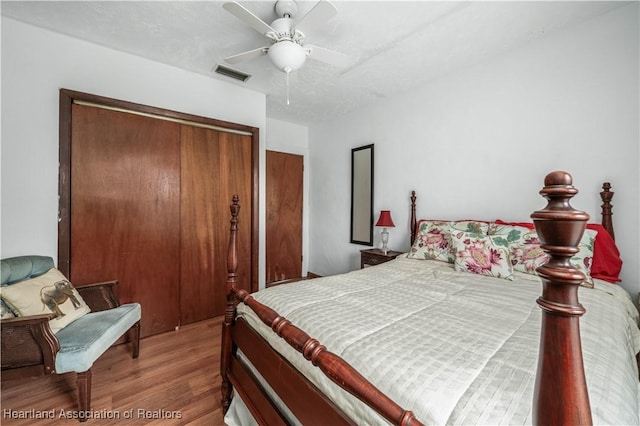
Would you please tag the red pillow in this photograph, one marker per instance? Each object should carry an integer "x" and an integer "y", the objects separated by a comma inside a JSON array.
[
  {"x": 606, "y": 256},
  {"x": 606, "y": 263}
]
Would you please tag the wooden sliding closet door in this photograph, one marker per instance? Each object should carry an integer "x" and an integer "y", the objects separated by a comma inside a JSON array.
[
  {"x": 125, "y": 209},
  {"x": 215, "y": 165},
  {"x": 144, "y": 199}
]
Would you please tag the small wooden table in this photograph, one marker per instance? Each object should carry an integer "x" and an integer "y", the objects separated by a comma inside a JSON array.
[{"x": 371, "y": 257}]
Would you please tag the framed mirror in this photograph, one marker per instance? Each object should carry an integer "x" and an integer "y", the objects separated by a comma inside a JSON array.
[{"x": 362, "y": 195}]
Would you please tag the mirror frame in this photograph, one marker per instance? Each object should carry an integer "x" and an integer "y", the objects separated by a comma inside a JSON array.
[{"x": 362, "y": 195}]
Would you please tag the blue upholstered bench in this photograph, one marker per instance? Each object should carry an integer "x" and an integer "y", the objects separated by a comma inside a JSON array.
[{"x": 30, "y": 347}]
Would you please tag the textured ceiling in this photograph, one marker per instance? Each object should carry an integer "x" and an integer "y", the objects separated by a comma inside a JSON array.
[{"x": 393, "y": 45}]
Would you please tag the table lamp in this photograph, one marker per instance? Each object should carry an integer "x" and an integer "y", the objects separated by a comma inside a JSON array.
[{"x": 386, "y": 222}]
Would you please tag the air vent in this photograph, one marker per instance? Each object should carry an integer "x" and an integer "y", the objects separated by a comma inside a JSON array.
[{"x": 232, "y": 73}]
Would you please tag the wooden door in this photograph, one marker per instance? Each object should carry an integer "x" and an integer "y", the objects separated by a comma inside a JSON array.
[
  {"x": 215, "y": 165},
  {"x": 125, "y": 209},
  {"x": 284, "y": 188}
]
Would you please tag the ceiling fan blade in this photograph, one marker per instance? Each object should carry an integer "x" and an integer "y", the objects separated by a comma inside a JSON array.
[
  {"x": 248, "y": 18},
  {"x": 330, "y": 57},
  {"x": 246, "y": 56},
  {"x": 321, "y": 13}
]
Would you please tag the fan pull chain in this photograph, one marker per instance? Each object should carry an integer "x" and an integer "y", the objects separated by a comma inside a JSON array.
[{"x": 287, "y": 71}]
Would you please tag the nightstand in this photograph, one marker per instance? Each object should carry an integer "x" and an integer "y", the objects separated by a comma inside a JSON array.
[{"x": 371, "y": 257}]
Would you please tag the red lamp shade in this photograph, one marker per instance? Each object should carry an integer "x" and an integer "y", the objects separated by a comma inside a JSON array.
[{"x": 385, "y": 219}]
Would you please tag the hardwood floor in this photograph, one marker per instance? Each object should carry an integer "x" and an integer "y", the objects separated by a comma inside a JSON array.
[{"x": 175, "y": 381}]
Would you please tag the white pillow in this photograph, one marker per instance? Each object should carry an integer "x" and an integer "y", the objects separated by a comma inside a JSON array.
[{"x": 50, "y": 292}]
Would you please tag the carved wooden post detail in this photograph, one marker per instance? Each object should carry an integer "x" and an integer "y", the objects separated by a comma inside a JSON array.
[
  {"x": 412, "y": 220},
  {"x": 606, "y": 195},
  {"x": 229, "y": 311},
  {"x": 561, "y": 396}
]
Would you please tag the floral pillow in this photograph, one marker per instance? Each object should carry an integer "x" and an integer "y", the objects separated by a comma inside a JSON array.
[
  {"x": 433, "y": 240},
  {"x": 523, "y": 244},
  {"x": 584, "y": 258},
  {"x": 606, "y": 262},
  {"x": 479, "y": 254},
  {"x": 526, "y": 254}
]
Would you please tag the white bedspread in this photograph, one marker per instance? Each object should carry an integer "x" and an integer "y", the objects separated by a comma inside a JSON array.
[{"x": 454, "y": 347}]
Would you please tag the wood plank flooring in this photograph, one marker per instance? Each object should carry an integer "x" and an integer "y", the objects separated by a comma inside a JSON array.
[{"x": 175, "y": 381}]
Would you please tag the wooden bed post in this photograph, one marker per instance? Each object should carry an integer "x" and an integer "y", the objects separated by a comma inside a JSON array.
[
  {"x": 561, "y": 396},
  {"x": 606, "y": 195},
  {"x": 412, "y": 220},
  {"x": 229, "y": 311}
]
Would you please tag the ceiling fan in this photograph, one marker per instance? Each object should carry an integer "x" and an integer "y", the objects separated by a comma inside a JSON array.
[{"x": 287, "y": 50}]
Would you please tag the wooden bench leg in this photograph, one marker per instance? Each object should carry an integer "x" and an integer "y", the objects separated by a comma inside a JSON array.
[
  {"x": 134, "y": 338},
  {"x": 83, "y": 381}
]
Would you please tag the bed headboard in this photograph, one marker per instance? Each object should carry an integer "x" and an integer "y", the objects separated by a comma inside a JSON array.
[{"x": 607, "y": 215}]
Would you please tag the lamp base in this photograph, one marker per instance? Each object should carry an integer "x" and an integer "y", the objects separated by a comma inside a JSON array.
[{"x": 385, "y": 239}]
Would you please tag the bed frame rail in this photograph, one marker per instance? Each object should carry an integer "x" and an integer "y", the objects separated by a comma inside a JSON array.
[{"x": 306, "y": 401}]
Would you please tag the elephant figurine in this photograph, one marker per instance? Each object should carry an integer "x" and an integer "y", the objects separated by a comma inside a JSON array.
[{"x": 56, "y": 295}]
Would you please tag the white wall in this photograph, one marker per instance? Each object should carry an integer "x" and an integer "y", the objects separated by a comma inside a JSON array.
[
  {"x": 294, "y": 139},
  {"x": 478, "y": 143},
  {"x": 35, "y": 64}
]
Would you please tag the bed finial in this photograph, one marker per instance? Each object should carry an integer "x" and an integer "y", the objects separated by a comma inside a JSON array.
[
  {"x": 561, "y": 390},
  {"x": 412, "y": 220},
  {"x": 229, "y": 310},
  {"x": 606, "y": 195}
]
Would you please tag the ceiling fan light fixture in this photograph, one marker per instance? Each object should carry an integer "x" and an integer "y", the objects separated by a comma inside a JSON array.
[{"x": 287, "y": 55}]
